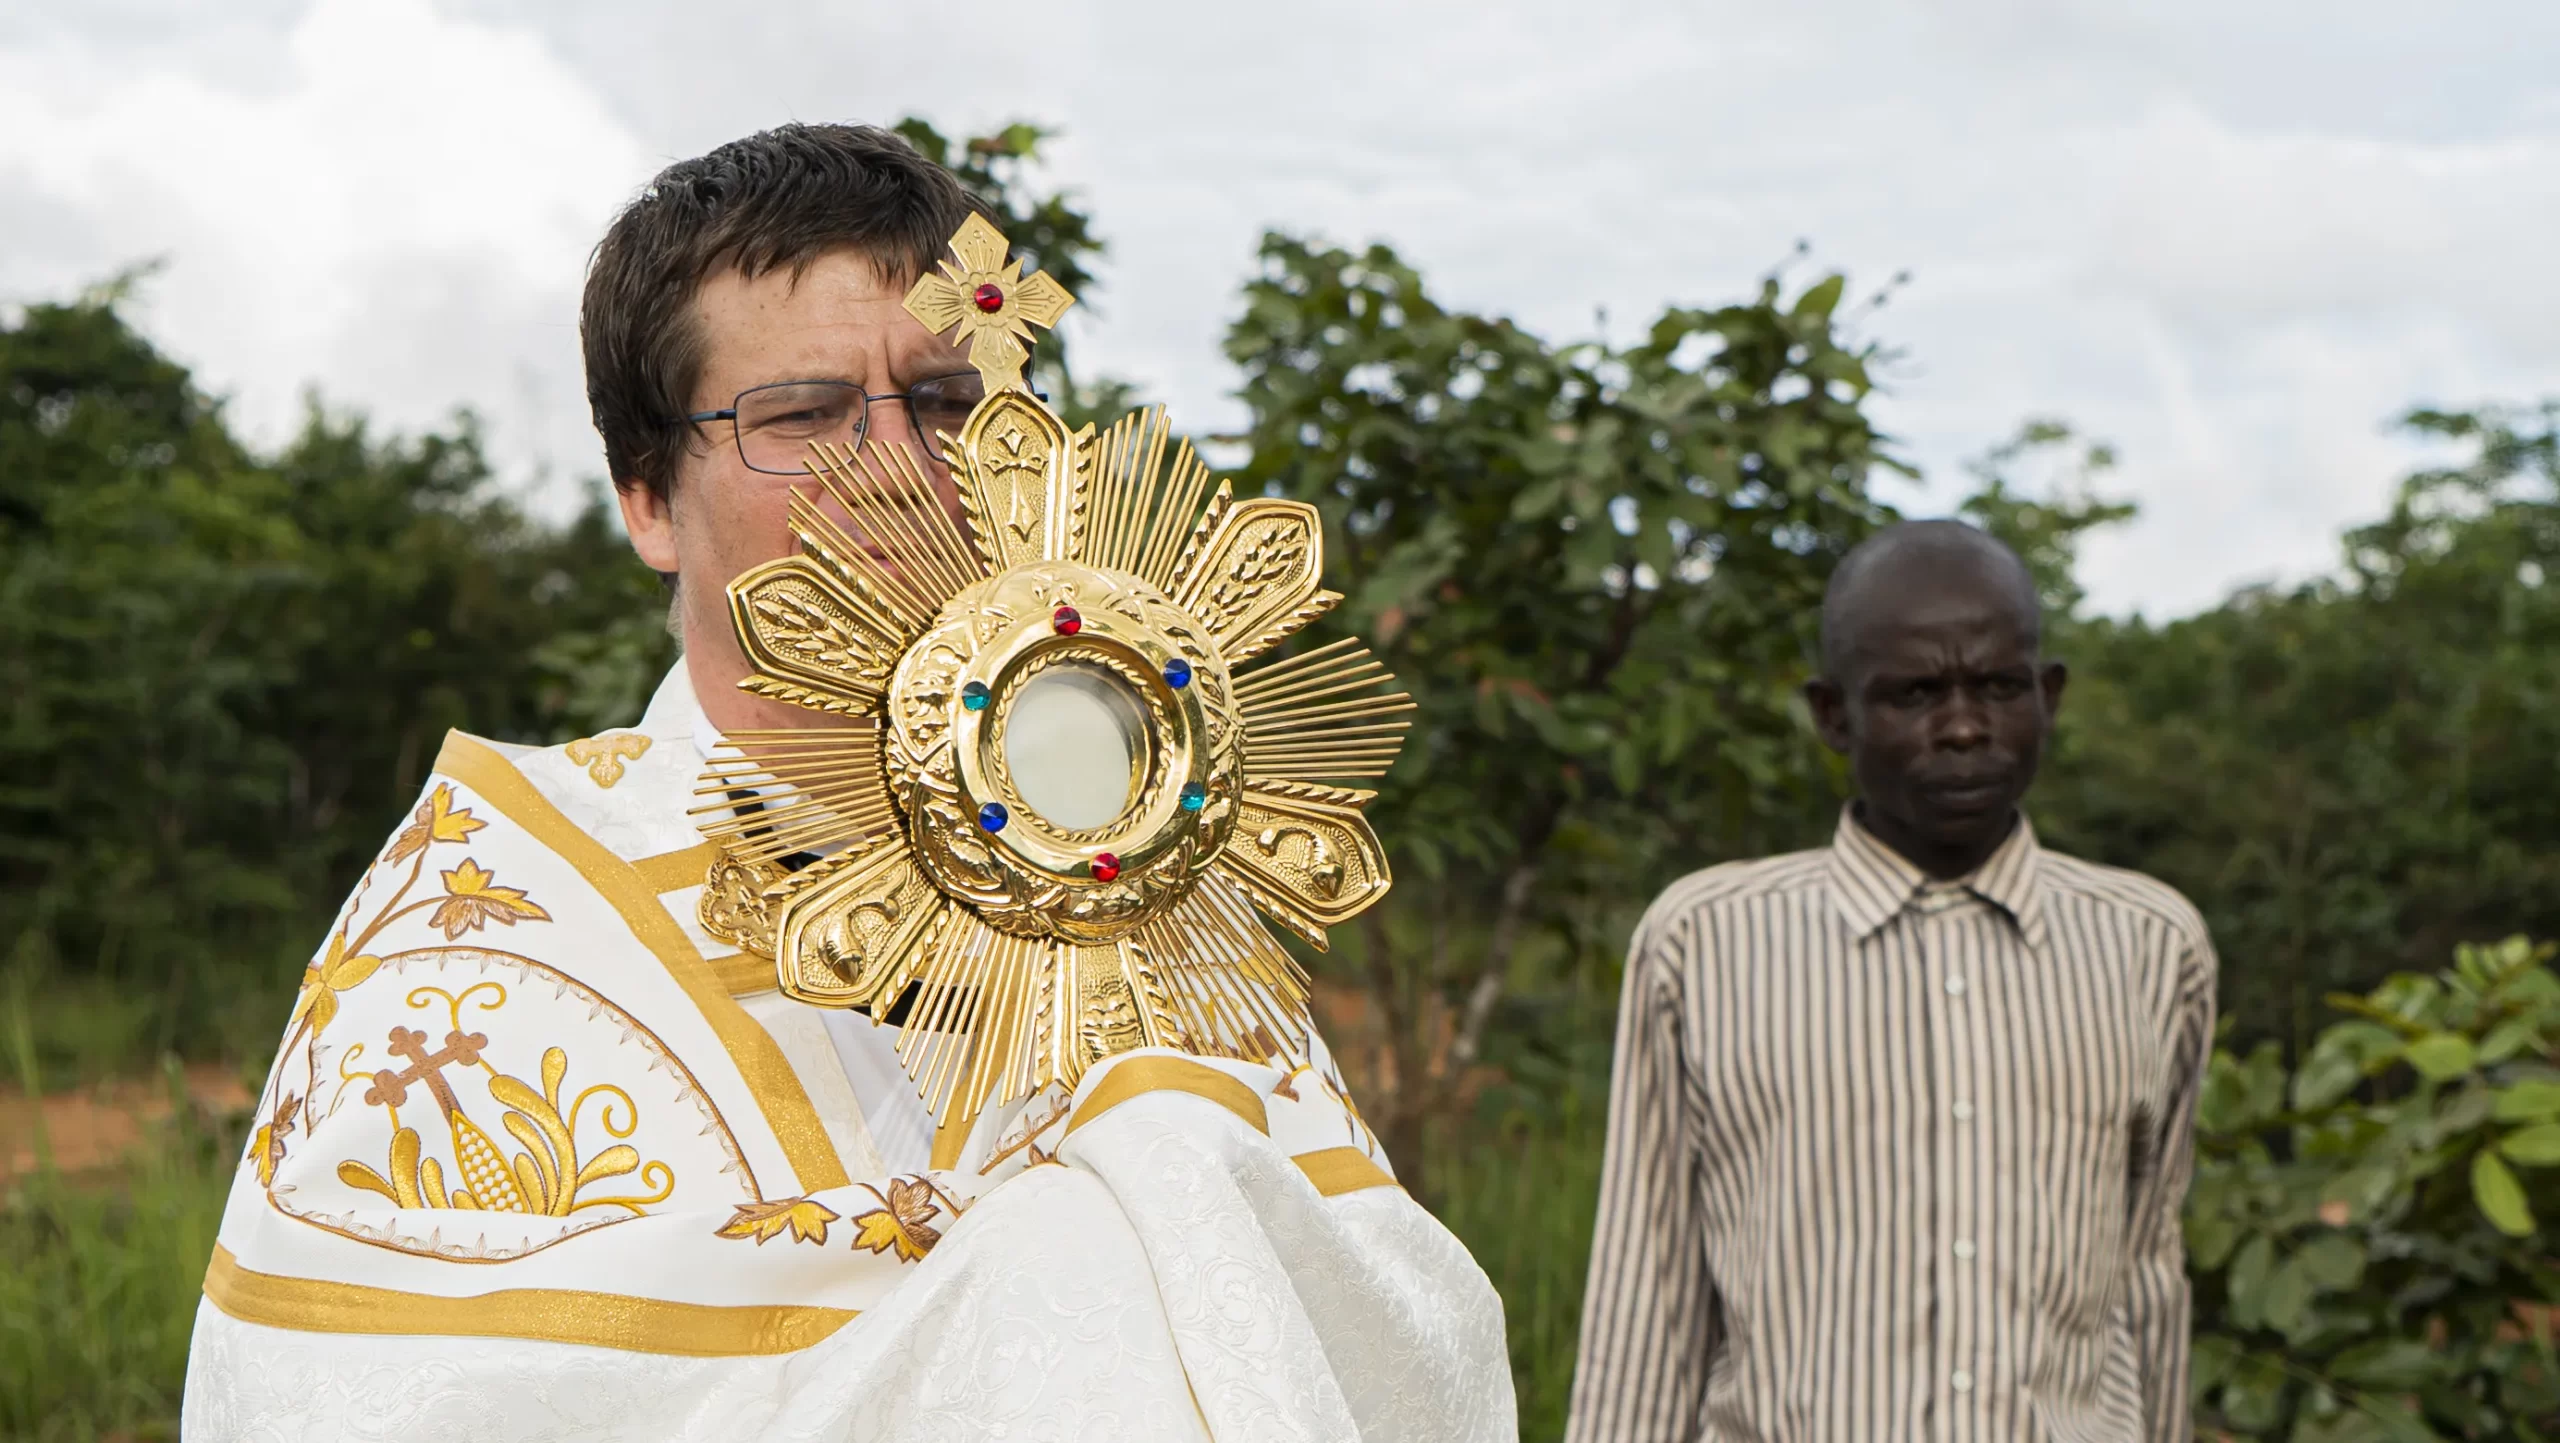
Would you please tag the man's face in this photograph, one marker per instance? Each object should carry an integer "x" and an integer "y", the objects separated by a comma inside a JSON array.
[
  {"x": 837, "y": 321},
  {"x": 1943, "y": 713}
]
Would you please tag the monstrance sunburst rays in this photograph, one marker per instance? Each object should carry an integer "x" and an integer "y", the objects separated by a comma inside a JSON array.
[{"x": 1025, "y": 947}]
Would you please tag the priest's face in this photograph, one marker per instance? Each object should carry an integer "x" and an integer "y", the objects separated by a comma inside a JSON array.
[{"x": 836, "y": 321}]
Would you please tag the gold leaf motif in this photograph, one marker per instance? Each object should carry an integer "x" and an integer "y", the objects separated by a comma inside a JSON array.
[
  {"x": 323, "y": 980},
  {"x": 1254, "y": 578},
  {"x": 800, "y": 627},
  {"x": 805, "y": 1219},
  {"x": 603, "y": 756},
  {"x": 903, "y": 1222},
  {"x": 473, "y": 899},
  {"x": 438, "y": 820}
]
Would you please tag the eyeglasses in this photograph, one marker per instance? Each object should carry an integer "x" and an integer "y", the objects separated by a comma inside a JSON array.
[{"x": 776, "y": 423}]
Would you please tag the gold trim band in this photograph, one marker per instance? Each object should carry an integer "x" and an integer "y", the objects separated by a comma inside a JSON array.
[
  {"x": 1141, "y": 1075},
  {"x": 549, "y": 1315},
  {"x": 1338, "y": 1170},
  {"x": 743, "y": 973},
  {"x": 674, "y": 871},
  {"x": 777, "y": 1089}
]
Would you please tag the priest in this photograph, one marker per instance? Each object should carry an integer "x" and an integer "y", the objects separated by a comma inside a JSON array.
[{"x": 880, "y": 1039}]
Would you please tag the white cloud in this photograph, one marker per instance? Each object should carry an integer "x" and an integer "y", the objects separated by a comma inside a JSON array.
[
  {"x": 2231, "y": 239},
  {"x": 395, "y": 210}
]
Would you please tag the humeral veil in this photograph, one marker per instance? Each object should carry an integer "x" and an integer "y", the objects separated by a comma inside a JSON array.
[{"x": 582, "y": 1126}]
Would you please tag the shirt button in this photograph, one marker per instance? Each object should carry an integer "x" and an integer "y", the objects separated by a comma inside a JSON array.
[
  {"x": 1955, "y": 987},
  {"x": 1963, "y": 1111},
  {"x": 1964, "y": 1249},
  {"x": 1961, "y": 1381}
]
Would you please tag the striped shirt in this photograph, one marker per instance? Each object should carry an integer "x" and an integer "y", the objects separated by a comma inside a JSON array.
[{"x": 1892, "y": 1159}]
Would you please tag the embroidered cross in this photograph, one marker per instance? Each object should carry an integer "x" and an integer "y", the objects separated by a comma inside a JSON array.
[
  {"x": 390, "y": 1088},
  {"x": 603, "y": 756}
]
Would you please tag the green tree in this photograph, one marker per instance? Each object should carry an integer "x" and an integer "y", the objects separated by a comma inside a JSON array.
[
  {"x": 2371, "y": 1234},
  {"x": 226, "y": 675},
  {"x": 1597, "y": 570},
  {"x": 2351, "y": 775}
]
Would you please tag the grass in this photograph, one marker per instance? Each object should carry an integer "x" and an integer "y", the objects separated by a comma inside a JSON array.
[
  {"x": 1521, "y": 1195},
  {"x": 99, "y": 1278}
]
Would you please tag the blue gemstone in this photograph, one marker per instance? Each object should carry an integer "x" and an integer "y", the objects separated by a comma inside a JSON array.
[
  {"x": 1194, "y": 796},
  {"x": 974, "y": 697},
  {"x": 992, "y": 816},
  {"x": 1177, "y": 673}
]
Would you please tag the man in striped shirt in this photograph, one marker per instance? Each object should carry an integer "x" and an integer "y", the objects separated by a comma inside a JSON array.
[{"x": 1901, "y": 1127}]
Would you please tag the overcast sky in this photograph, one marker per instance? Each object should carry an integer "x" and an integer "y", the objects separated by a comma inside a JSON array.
[{"x": 2233, "y": 239}]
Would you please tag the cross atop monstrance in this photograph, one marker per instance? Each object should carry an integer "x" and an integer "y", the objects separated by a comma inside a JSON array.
[{"x": 990, "y": 300}]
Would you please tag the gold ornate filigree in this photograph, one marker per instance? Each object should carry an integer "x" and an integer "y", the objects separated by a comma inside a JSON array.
[{"x": 1025, "y": 950}]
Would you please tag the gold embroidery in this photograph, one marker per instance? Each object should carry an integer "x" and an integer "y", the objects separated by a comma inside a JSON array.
[
  {"x": 603, "y": 756},
  {"x": 548, "y": 1178},
  {"x": 805, "y": 1219},
  {"x": 759, "y": 1059},
  {"x": 674, "y": 871},
  {"x": 904, "y": 1220},
  {"x": 473, "y": 899},
  {"x": 1142, "y": 1075},
  {"x": 1338, "y": 1170},
  {"x": 345, "y": 964},
  {"x": 422, "y": 1174},
  {"x": 550, "y": 1315}
]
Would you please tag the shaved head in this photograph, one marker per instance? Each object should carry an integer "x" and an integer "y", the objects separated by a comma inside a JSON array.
[
  {"x": 1880, "y": 575},
  {"x": 1935, "y": 688}
]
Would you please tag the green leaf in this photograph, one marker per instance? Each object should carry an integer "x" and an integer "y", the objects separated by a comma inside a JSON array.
[
  {"x": 1822, "y": 298},
  {"x": 2441, "y": 1056},
  {"x": 2537, "y": 1146},
  {"x": 2247, "y": 1286},
  {"x": 2529, "y": 1101},
  {"x": 2334, "y": 1262},
  {"x": 2288, "y": 1295},
  {"x": 2393, "y": 1363},
  {"x": 2499, "y": 1196}
]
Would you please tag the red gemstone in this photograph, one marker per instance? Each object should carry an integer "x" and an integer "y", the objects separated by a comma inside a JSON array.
[
  {"x": 1105, "y": 866},
  {"x": 989, "y": 298},
  {"x": 1066, "y": 620}
]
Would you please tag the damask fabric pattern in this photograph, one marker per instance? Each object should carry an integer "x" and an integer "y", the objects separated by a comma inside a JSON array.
[{"x": 526, "y": 1169}]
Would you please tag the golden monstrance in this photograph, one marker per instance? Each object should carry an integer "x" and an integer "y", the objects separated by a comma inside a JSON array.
[{"x": 1047, "y": 793}]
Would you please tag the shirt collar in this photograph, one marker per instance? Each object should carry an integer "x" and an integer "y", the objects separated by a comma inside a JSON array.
[
  {"x": 673, "y": 713},
  {"x": 1871, "y": 882}
]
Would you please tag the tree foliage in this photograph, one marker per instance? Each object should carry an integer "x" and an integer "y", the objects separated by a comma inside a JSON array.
[
  {"x": 2351, "y": 776},
  {"x": 2371, "y": 1233},
  {"x": 220, "y": 673},
  {"x": 1595, "y": 568}
]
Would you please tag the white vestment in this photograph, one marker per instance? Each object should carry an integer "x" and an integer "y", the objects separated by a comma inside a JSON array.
[{"x": 540, "y": 1159}]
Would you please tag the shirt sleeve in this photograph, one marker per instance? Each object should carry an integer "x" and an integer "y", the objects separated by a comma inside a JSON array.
[
  {"x": 2157, "y": 1299},
  {"x": 1649, "y": 1328}
]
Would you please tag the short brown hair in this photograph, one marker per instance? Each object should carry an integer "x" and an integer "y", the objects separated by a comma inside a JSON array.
[{"x": 780, "y": 198}]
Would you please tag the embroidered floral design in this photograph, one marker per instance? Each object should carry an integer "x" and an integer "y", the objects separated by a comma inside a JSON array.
[
  {"x": 904, "y": 1219},
  {"x": 805, "y": 1219},
  {"x": 438, "y": 820},
  {"x": 323, "y": 980},
  {"x": 603, "y": 756},
  {"x": 266, "y": 1145},
  {"x": 473, "y": 899}
]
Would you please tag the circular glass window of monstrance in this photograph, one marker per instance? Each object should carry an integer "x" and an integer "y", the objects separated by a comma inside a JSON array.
[{"x": 1073, "y": 739}]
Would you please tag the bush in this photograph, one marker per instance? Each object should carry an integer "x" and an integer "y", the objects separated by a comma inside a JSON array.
[{"x": 2371, "y": 1236}]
